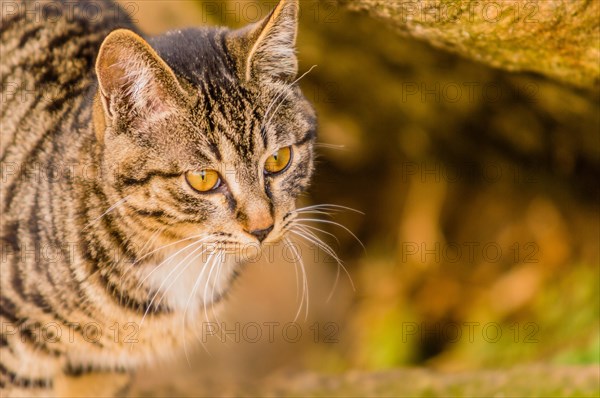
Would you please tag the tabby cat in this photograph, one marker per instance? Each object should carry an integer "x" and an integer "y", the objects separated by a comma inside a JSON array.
[{"x": 124, "y": 160}]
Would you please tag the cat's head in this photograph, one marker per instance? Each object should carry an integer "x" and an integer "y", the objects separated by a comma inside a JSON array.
[{"x": 205, "y": 132}]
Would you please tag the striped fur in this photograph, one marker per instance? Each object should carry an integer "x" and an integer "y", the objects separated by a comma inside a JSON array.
[{"x": 96, "y": 213}]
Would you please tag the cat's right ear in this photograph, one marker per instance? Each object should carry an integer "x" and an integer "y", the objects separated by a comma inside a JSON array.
[
  {"x": 267, "y": 49},
  {"x": 132, "y": 81}
]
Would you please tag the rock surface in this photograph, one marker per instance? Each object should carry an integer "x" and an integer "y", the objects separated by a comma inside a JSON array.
[
  {"x": 557, "y": 38},
  {"x": 530, "y": 381}
]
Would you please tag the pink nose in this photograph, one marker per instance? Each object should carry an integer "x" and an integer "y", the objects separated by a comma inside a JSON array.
[{"x": 261, "y": 234}]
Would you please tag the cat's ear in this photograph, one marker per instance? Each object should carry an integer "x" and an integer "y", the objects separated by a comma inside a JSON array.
[
  {"x": 132, "y": 77},
  {"x": 270, "y": 45}
]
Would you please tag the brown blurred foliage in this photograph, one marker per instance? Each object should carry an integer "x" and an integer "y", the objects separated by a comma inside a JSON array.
[{"x": 480, "y": 189}]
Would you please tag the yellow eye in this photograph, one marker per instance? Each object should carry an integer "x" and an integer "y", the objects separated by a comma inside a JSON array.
[
  {"x": 203, "y": 180},
  {"x": 279, "y": 161}
]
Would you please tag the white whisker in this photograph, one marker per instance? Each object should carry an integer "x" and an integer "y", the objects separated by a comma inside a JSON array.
[
  {"x": 168, "y": 276},
  {"x": 111, "y": 208},
  {"x": 319, "y": 230},
  {"x": 171, "y": 256},
  {"x": 167, "y": 245},
  {"x": 336, "y": 224},
  {"x": 304, "y": 231},
  {"x": 152, "y": 239},
  {"x": 305, "y": 291},
  {"x": 339, "y": 264},
  {"x": 215, "y": 281},
  {"x": 204, "y": 296},
  {"x": 330, "y": 146},
  {"x": 284, "y": 98},
  {"x": 148, "y": 244},
  {"x": 187, "y": 304},
  {"x": 182, "y": 270},
  {"x": 329, "y": 206},
  {"x": 207, "y": 265},
  {"x": 312, "y": 238},
  {"x": 325, "y": 213}
]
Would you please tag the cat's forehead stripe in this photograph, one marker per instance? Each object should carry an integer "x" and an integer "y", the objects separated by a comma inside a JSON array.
[{"x": 231, "y": 113}]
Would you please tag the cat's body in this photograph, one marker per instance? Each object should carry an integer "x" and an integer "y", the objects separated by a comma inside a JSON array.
[{"x": 97, "y": 274}]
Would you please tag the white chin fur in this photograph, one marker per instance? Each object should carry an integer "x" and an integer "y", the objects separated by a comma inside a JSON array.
[{"x": 187, "y": 281}]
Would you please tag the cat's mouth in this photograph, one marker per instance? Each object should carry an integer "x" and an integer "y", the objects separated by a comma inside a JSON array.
[
  {"x": 202, "y": 267},
  {"x": 198, "y": 269}
]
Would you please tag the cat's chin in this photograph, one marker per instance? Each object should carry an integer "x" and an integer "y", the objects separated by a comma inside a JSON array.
[{"x": 188, "y": 287}]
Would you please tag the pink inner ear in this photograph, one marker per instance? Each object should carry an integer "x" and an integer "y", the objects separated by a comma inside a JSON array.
[
  {"x": 136, "y": 83},
  {"x": 139, "y": 85},
  {"x": 273, "y": 55},
  {"x": 130, "y": 72}
]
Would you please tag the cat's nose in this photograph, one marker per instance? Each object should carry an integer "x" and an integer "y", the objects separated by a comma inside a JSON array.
[{"x": 261, "y": 234}]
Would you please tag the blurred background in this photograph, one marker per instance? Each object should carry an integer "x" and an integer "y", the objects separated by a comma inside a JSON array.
[{"x": 479, "y": 190}]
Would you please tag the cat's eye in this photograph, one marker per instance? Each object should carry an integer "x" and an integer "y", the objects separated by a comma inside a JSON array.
[
  {"x": 279, "y": 161},
  {"x": 203, "y": 180}
]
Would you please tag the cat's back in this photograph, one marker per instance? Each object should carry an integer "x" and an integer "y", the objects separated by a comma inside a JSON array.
[
  {"x": 48, "y": 51},
  {"x": 47, "y": 55}
]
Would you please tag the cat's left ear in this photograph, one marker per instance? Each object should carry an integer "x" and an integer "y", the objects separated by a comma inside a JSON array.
[
  {"x": 268, "y": 48},
  {"x": 134, "y": 80}
]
